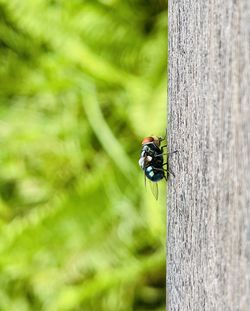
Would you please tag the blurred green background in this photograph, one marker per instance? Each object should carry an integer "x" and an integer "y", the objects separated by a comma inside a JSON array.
[{"x": 81, "y": 83}]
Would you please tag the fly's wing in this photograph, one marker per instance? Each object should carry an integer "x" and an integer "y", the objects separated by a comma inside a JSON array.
[
  {"x": 145, "y": 181},
  {"x": 154, "y": 189}
]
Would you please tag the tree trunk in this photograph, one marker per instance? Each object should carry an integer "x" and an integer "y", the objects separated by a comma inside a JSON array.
[{"x": 208, "y": 264}]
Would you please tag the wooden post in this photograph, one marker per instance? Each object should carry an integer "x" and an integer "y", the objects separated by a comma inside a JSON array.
[{"x": 208, "y": 251}]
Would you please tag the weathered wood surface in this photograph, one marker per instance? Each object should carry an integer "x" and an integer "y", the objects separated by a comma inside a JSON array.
[{"x": 208, "y": 251}]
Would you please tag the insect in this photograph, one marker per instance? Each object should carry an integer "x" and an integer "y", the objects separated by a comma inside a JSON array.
[{"x": 152, "y": 162}]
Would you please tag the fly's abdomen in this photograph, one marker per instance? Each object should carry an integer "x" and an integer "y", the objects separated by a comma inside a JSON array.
[{"x": 153, "y": 174}]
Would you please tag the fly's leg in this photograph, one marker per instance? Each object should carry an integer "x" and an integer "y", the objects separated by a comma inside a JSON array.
[
  {"x": 168, "y": 171},
  {"x": 160, "y": 155},
  {"x": 162, "y": 148},
  {"x": 170, "y": 153},
  {"x": 162, "y": 138},
  {"x": 158, "y": 169},
  {"x": 168, "y": 168},
  {"x": 171, "y": 172},
  {"x": 163, "y": 170}
]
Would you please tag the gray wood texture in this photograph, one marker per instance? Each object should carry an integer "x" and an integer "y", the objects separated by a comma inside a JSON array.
[{"x": 208, "y": 248}]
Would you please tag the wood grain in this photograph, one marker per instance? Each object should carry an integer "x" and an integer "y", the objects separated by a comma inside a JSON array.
[{"x": 208, "y": 249}]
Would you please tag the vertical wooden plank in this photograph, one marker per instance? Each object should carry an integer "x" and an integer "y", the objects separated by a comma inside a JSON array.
[{"x": 208, "y": 251}]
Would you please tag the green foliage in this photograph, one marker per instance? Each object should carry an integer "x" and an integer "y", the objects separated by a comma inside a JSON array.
[{"x": 82, "y": 82}]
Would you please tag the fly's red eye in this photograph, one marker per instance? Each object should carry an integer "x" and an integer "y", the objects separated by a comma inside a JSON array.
[{"x": 147, "y": 140}]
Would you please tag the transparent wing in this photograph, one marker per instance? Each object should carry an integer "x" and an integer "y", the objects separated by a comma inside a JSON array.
[{"x": 154, "y": 189}]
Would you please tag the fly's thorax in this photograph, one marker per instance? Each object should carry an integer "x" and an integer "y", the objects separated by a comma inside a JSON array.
[
  {"x": 151, "y": 149},
  {"x": 150, "y": 155}
]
